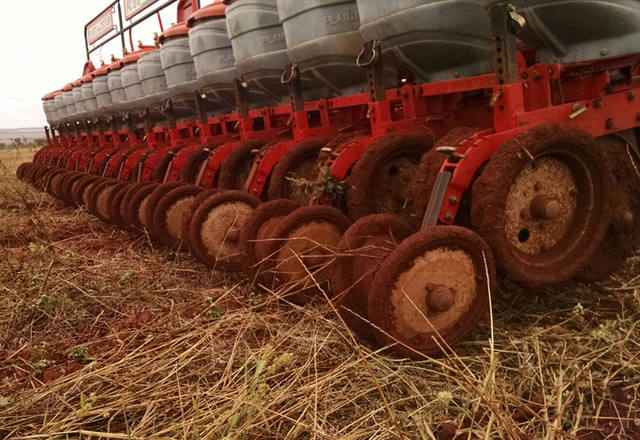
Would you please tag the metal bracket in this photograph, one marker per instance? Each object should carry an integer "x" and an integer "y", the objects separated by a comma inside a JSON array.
[
  {"x": 505, "y": 49},
  {"x": 291, "y": 78},
  {"x": 240, "y": 92},
  {"x": 201, "y": 107},
  {"x": 435, "y": 200},
  {"x": 371, "y": 58}
]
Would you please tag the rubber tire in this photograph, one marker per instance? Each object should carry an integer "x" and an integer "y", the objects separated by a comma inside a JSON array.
[
  {"x": 490, "y": 191},
  {"x": 67, "y": 184},
  {"x": 115, "y": 201},
  {"x": 350, "y": 281},
  {"x": 199, "y": 217},
  {"x": 152, "y": 201},
  {"x": 235, "y": 168},
  {"x": 188, "y": 215},
  {"x": 191, "y": 166},
  {"x": 291, "y": 222},
  {"x": 97, "y": 193},
  {"x": 159, "y": 224},
  {"x": 279, "y": 184},
  {"x": 359, "y": 192},
  {"x": 131, "y": 208},
  {"x": 618, "y": 244},
  {"x": 379, "y": 309},
  {"x": 261, "y": 217}
]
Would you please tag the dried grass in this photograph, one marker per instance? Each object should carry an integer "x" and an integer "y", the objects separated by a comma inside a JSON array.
[{"x": 106, "y": 336}]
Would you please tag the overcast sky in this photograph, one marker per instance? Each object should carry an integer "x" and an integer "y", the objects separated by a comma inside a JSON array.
[{"x": 42, "y": 46}]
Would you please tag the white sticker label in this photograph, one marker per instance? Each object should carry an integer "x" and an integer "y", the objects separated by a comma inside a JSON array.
[
  {"x": 134, "y": 7},
  {"x": 100, "y": 27}
]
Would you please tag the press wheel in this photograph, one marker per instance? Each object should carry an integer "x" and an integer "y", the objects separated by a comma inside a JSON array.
[
  {"x": 361, "y": 251},
  {"x": 187, "y": 216},
  {"x": 134, "y": 207},
  {"x": 114, "y": 202},
  {"x": 215, "y": 229},
  {"x": 79, "y": 186},
  {"x": 257, "y": 230},
  {"x": 623, "y": 234},
  {"x": 294, "y": 170},
  {"x": 431, "y": 292},
  {"x": 543, "y": 203},
  {"x": 236, "y": 168},
  {"x": 151, "y": 202},
  {"x": 303, "y": 246},
  {"x": 168, "y": 214},
  {"x": 381, "y": 177}
]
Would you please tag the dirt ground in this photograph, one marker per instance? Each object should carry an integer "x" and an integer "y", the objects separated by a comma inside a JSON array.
[{"x": 105, "y": 335}]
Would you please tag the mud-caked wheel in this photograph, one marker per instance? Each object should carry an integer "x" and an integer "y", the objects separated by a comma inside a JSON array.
[
  {"x": 302, "y": 249},
  {"x": 151, "y": 202},
  {"x": 236, "y": 168},
  {"x": 190, "y": 210},
  {"x": 79, "y": 188},
  {"x": 380, "y": 180},
  {"x": 623, "y": 235},
  {"x": 543, "y": 203},
  {"x": 49, "y": 177},
  {"x": 38, "y": 172},
  {"x": 168, "y": 214},
  {"x": 214, "y": 231},
  {"x": 134, "y": 207},
  {"x": 55, "y": 185},
  {"x": 258, "y": 228},
  {"x": 294, "y": 174},
  {"x": 431, "y": 292},
  {"x": 192, "y": 166},
  {"x": 361, "y": 251},
  {"x": 20, "y": 170},
  {"x": 114, "y": 202},
  {"x": 67, "y": 184},
  {"x": 99, "y": 198},
  {"x": 30, "y": 171}
]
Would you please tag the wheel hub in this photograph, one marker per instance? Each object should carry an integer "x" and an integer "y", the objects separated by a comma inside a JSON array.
[
  {"x": 434, "y": 292},
  {"x": 541, "y": 205},
  {"x": 439, "y": 297}
]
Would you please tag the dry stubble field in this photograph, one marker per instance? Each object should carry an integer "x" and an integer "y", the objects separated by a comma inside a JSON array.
[{"x": 107, "y": 336}]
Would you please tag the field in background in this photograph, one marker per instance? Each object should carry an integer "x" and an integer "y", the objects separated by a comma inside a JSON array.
[
  {"x": 105, "y": 335},
  {"x": 8, "y": 135}
]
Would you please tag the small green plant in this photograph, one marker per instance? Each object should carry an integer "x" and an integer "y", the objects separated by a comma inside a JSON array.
[
  {"x": 46, "y": 303},
  {"x": 578, "y": 311},
  {"x": 257, "y": 388},
  {"x": 608, "y": 332},
  {"x": 40, "y": 356},
  {"x": 86, "y": 404},
  {"x": 127, "y": 276},
  {"x": 35, "y": 249},
  {"x": 252, "y": 298},
  {"x": 213, "y": 311},
  {"x": 325, "y": 186},
  {"x": 79, "y": 353}
]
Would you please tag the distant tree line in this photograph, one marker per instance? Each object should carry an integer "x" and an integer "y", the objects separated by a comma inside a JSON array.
[{"x": 22, "y": 143}]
